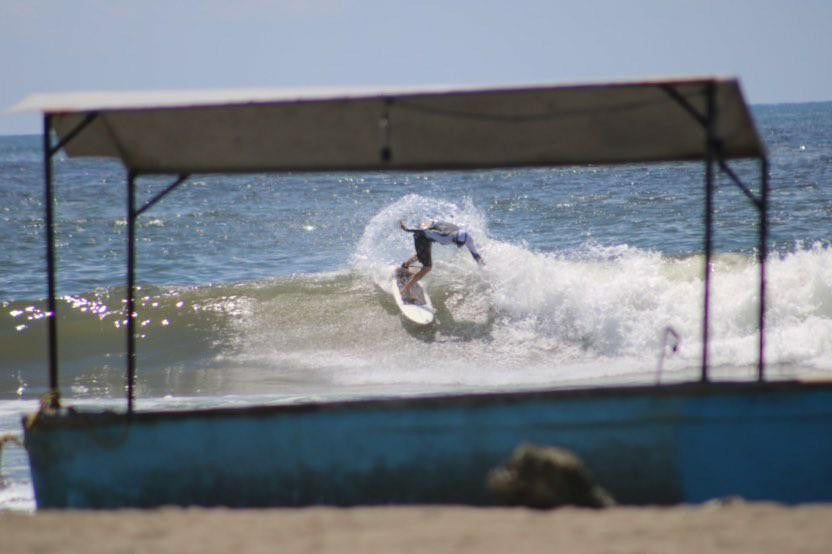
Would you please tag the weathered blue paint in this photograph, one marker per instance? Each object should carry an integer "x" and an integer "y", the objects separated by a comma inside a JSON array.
[
  {"x": 781, "y": 446},
  {"x": 682, "y": 443}
]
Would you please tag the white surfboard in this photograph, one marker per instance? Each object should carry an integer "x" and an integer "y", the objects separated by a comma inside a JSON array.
[{"x": 418, "y": 311}]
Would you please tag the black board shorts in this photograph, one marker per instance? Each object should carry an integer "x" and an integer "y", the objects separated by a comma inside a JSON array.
[{"x": 422, "y": 245}]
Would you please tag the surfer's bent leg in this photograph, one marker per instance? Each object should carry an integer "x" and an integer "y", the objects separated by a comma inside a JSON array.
[
  {"x": 422, "y": 245},
  {"x": 413, "y": 280},
  {"x": 409, "y": 261}
]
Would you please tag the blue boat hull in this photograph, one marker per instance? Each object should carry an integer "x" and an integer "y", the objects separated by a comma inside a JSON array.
[{"x": 646, "y": 445}]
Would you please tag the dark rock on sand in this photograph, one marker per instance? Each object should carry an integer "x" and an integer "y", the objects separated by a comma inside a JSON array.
[{"x": 546, "y": 477}]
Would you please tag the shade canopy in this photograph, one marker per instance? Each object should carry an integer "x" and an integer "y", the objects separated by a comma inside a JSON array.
[{"x": 417, "y": 129}]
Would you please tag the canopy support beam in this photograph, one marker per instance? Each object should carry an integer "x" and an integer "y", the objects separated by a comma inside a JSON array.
[
  {"x": 130, "y": 294},
  {"x": 710, "y": 124},
  {"x": 738, "y": 182},
  {"x": 687, "y": 106},
  {"x": 762, "y": 251},
  {"x": 162, "y": 194},
  {"x": 720, "y": 154},
  {"x": 49, "y": 152},
  {"x": 714, "y": 153},
  {"x": 52, "y": 307},
  {"x": 89, "y": 118}
]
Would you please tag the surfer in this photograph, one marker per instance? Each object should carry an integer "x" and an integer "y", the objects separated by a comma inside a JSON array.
[{"x": 431, "y": 231}]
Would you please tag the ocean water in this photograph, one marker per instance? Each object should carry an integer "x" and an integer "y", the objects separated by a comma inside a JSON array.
[{"x": 271, "y": 288}]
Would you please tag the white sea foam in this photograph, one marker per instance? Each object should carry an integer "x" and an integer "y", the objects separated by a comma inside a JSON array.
[
  {"x": 593, "y": 314},
  {"x": 17, "y": 496}
]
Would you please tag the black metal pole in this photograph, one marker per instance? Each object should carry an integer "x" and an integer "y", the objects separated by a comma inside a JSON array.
[
  {"x": 50, "y": 261},
  {"x": 709, "y": 201},
  {"x": 130, "y": 293},
  {"x": 763, "y": 253}
]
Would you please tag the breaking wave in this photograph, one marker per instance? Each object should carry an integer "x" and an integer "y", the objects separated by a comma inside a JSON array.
[{"x": 528, "y": 318}]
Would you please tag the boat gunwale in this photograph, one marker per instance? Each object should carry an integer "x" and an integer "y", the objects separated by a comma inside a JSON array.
[{"x": 71, "y": 417}]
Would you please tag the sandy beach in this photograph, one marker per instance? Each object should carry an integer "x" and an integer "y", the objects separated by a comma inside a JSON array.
[{"x": 734, "y": 527}]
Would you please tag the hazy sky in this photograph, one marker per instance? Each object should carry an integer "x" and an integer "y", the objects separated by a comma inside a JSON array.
[{"x": 779, "y": 49}]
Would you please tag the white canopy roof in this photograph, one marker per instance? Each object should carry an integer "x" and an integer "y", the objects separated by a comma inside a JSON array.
[{"x": 427, "y": 128}]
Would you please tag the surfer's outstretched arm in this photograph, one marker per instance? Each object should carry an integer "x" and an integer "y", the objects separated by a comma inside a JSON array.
[{"x": 472, "y": 248}]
